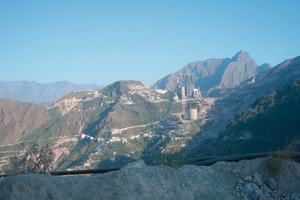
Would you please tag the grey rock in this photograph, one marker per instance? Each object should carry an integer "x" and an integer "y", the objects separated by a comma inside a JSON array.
[
  {"x": 244, "y": 194},
  {"x": 134, "y": 181},
  {"x": 240, "y": 186},
  {"x": 265, "y": 197},
  {"x": 294, "y": 197},
  {"x": 258, "y": 180},
  {"x": 238, "y": 189},
  {"x": 136, "y": 164},
  {"x": 274, "y": 195},
  {"x": 248, "y": 179},
  {"x": 271, "y": 183},
  {"x": 252, "y": 190},
  {"x": 236, "y": 171},
  {"x": 266, "y": 189},
  {"x": 138, "y": 181}
]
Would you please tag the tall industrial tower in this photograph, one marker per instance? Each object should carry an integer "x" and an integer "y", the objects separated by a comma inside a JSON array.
[{"x": 189, "y": 85}]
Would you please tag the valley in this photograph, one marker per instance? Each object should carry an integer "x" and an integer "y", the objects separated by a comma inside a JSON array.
[{"x": 179, "y": 117}]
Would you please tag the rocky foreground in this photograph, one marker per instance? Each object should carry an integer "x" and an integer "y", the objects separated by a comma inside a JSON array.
[{"x": 268, "y": 178}]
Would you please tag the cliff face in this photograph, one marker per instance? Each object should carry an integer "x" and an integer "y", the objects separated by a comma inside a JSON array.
[{"x": 248, "y": 179}]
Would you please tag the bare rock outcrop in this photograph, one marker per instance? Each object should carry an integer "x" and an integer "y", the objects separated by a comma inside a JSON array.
[{"x": 222, "y": 180}]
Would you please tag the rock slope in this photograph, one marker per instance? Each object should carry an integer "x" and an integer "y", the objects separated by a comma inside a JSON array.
[{"x": 247, "y": 179}]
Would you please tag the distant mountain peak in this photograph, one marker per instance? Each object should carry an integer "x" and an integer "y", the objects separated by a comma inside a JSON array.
[
  {"x": 263, "y": 67},
  {"x": 242, "y": 55},
  {"x": 123, "y": 86},
  {"x": 130, "y": 84}
]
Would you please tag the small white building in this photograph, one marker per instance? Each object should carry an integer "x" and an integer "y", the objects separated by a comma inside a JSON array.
[
  {"x": 115, "y": 139},
  {"x": 115, "y": 131}
]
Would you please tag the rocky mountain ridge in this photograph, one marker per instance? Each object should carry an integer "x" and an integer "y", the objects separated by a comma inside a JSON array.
[{"x": 215, "y": 74}]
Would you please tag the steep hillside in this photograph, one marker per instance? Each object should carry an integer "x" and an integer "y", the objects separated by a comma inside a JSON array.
[
  {"x": 19, "y": 119},
  {"x": 33, "y": 92},
  {"x": 215, "y": 74},
  {"x": 119, "y": 105},
  {"x": 88, "y": 127},
  {"x": 272, "y": 122},
  {"x": 275, "y": 116},
  {"x": 240, "y": 98},
  {"x": 117, "y": 122}
]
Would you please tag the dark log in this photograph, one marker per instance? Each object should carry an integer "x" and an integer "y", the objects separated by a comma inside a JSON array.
[
  {"x": 77, "y": 172},
  {"x": 86, "y": 171}
]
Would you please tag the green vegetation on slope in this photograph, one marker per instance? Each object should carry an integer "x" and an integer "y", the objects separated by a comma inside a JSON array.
[
  {"x": 275, "y": 115},
  {"x": 38, "y": 160},
  {"x": 271, "y": 124}
]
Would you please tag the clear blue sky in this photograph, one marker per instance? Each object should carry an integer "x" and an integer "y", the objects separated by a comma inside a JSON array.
[{"x": 94, "y": 41}]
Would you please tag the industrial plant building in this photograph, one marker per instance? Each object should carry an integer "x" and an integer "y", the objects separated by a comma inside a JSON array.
[{"x": 189, "y": 96}]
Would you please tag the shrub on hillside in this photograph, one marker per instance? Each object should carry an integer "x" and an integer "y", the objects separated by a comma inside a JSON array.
[{"x": 39, "y": 160}]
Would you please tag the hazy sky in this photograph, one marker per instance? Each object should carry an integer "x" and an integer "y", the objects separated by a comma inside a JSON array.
[{"x": 94, "y": 41}]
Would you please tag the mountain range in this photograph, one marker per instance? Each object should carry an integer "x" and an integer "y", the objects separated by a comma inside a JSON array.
[
  {"x": 211, "y": 76},
  {"x": 129, "y": 120},
  {"x": 40, "y": 93}
]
